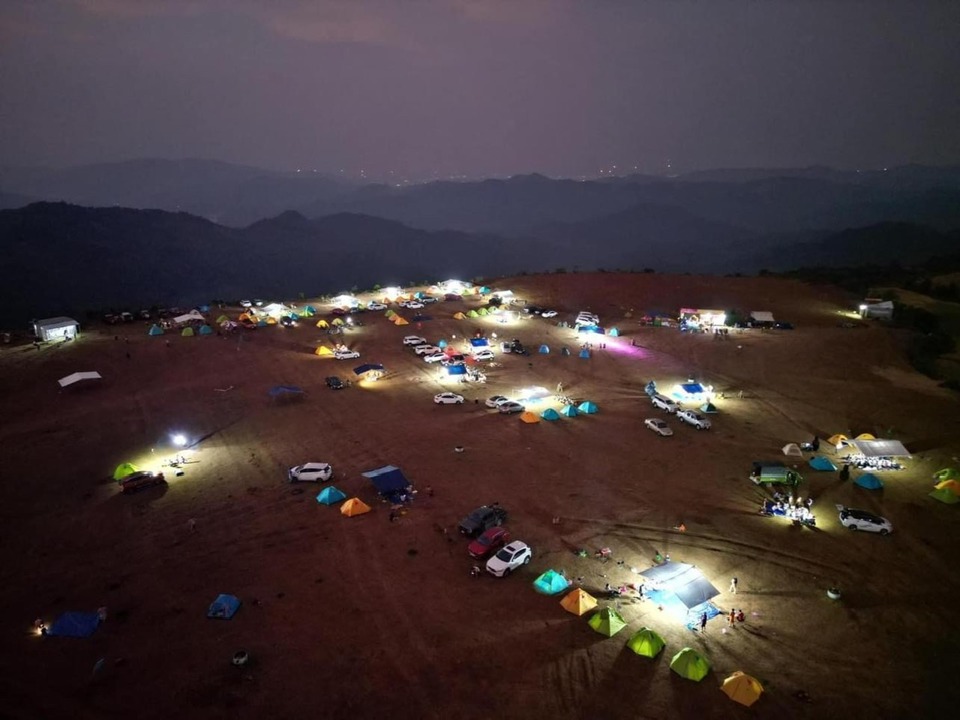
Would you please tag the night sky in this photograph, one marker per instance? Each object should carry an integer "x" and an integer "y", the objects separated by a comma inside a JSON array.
[{"x": 437, "y": 88}]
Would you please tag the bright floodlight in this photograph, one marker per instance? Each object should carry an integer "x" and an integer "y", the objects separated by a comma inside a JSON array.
[{"x": 179, "y": 440}]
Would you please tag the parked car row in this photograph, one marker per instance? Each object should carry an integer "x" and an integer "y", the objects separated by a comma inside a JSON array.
[{"x": 492, "y": 542}]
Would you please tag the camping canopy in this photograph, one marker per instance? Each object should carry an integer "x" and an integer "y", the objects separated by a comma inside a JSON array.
[
  {"x": 123, "y": 470},
  {"x": 550, "y": 583},
  {"x": 354, "y": 506},
  {"x": 587, "y": 408},
  {"x": 578, "y": 602},
  {"x": 550, "y": 414},
  {"x": 77, "y": 377},
  {"x": 607, "y": 622},
  {"x": 323, "y": 351},
  {"x": 75, "y": 624},
  {"x": 479, "y": 342},
  {"x": 683, "y": 580},
  {"x": 869, "y": 481},
  {"x": 880, "y": 448},
  {"x": 330, "y": 495},
  {"x": 690, "y": 664},
  {"x": 742, "y": 688},
  {"x": 821, "y": 463},
  {"x": 646, "y": 642},
  {"x": 388, "y": 478},
  {"x": 225, "y": 607}
]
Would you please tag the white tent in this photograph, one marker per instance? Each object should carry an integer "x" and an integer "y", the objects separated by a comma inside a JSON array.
[
  {"x": 190, "y": 316},
  {"x": 56, "y": 328},
  {"x": 792, "y": 450},
  {"x": 880, "y": 448},
  {"x": 762, "y": 316},
  {"x": 77, "y": 377}
]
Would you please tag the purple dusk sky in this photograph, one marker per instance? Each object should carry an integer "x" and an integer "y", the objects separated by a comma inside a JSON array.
[{"x": 482, "y": 87}]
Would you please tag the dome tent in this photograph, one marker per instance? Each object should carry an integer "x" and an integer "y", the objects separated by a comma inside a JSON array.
[
  {"x": 869, "y": 481},
  {"x": 578, "y": 602},
  {"x": 690, "y": 664},
  {"x": 607, "y": 622},
  {"x": 550, "y": 414},
  {"x": 646, "y": 642},
  {"x": 550, "y": 583}
]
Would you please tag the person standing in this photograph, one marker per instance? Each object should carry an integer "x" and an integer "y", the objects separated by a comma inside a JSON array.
[
  {"x": 732, "y": 617},
  {"x": 733, "y": 585},
  {"x": 703, "y": 622}
]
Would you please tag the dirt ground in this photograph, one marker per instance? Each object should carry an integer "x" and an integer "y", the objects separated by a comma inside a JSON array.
[{"x": 359, "y": 617}]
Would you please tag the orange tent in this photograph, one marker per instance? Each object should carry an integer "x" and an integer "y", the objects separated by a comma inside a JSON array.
[{"x": 354, "y": 506}]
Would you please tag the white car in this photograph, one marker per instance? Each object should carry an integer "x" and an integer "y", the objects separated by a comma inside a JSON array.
[
  {"x": 693, "y": 418},
  {"x": 509, "y": 558},
  {"x": 510, "y": 407},
  {"x": 373, "y": 305},
  {"x": 548, "y": 313},
  {"x": 426, "y": 349},
  {"x": 310, "y": 472},
  {"x": 414, "y": 305},
  {"x": 428, "y": 299},
  {"x": 863, "y": 520},
  {"x": 496, "y": 401},
  {"x": 436, "y": 357},
  {"x": 246, "y": 303},
  {"x": 414, "y": 340},
  {"x": 484, "y": 355},
  {"x": 658, "y": 426},
  {"x": 346, "y": 354},
  {"x": 664, "y": 403},
  {"x": 448, "y": 398}
]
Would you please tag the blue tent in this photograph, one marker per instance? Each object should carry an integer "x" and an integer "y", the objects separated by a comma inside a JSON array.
[
  {"x": 75, "y": 624},
  {"x": 479, "y": 342},
  {"x": 821, "y": 463},
  {"x": 569, "y": 411},
  {"x": 361, "y": 369},
  {"x": 708, "y": 407},
  {"x": 442, "y": 344},
  {"x": 651, "y": 388},
  {"x": 550, "y": 414},
  {"x": 389, "y": 478},
  {"x": 330, "y": 495},
  {"x": 285, "y": 390},
  {"x": 614, "y": 332},
  {"x": 544, "y": 349},
  {"x": 456, "y": 370},
  {"x": 551, "y": 583},
  {"x": 869, "y": 481},
  {"x": 585, "y": 354},
  {"x": 224, "y": 607},
  {"x": 204, "y": 308},
  {"x": 155, "y": 330},
  {"x": 206, "y": 330},
  {"x": 588, "y": 408}
]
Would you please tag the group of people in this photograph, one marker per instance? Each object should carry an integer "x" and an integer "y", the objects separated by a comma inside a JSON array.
[{"x": 799, "y": 510}]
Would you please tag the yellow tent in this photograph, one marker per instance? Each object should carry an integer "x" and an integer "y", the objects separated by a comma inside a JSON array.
[
  {"x": 354, "y": 506},
  {"x": 271, "y": 320},
  {"x": 578, "y": 602},
  {"x": 835, "y": 440},
  {"x": 742, "y": 688},
  {"x": 323, "y": 351},
  {"x": 865, "y": 436},
  {"x": 459, "y": 316},
  {"x": 530, "y": 417},
  {"x": 245, "y": 317},
  {"x": 951, "y": 485},
  {"x": 400, "y": 321},
  {"x": 322, "y": 324},
  {"x": 337, "y": 322}
]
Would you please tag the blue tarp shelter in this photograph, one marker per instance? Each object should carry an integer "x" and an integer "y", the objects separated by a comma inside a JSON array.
[
  {"x": 75, "y": 624},
  {"x": 330, "y": 495},
  {"x": 551, "y": 583},
  {"x": 585, "y": 354},
  {"x": 869, "y": 481},
  {"x": 368, "y": 367},
  {"x": 821, "y": 463},
  {"x": 569, "y": 411},
  {"x": 456, "y": 370},
  {"x": 224, "y": 607},
  {"x": 587, "y": 408},
  {"x": 479, "y": 342},
  {"x": 550, "y": 414},
  {"x": 682, "y": 589},
  {"x": 544, "y": 349},
  {"x": 388, "y": 478},
  {"x": 285, "y": 391}
]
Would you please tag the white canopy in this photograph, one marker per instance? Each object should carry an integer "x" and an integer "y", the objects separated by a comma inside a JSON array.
[
  {"x": 77, "y": 377},
  {"x": 880, "y": 448},
  {"x": 192, "y": 315},
  {"x": 763, "y": 316}
]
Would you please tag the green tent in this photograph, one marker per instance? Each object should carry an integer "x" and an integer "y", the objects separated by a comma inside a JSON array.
[
  {"x": 945, "y": 495},
  {"x": 222, "y": 319},
  {"x": 947, "y": 474},
  {"x": 690, "y": 664},
  {"x": 123, "y": 470},
  {"x": 155, "y": 330},
  {"x": 550, "y": 583},
  {"x": 481, "y": 311},
  {"x": 187, "y": 332},
  {"x": 646, "y": 642},
  {"x": 308, "y": 311},
  {"x": 472, "y": 313},
  {"x": 607, "y": 622}
]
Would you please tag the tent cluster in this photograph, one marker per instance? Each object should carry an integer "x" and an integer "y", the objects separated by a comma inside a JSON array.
[
  {"x": 551, "y": 415},
  {"x": 947, "y": 489}
]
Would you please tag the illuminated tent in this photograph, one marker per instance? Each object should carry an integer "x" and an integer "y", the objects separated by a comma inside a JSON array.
[
  {"x": 400, "y": 321},
  {"x": 550, "y": 414},
  {"x": 588, "y": 408},
  {"x": 442, "y": 344},
  {"x": 569, "y": 411},
  {"x": 479, "y": 342},
  {"x": 187, "y": 332},
  {"x": 865, "y": 436},
  {"x": 337, "y": 322},
  {"x": 708, "y": 407},
  {"x": 679, "y": 586},
  {"x": 323, "y": 351},
  {"x": 578, "y": 602},
  {"x": 155, "y": 330},
  {"x": 951, "y": 485},
  {"x": 354, "y": 506},
  {"x": 367, "y": 367},
  {"x": 585, "y": 354},
  {"x": 472, "y": 314},
  {"x": 308, "y": 311},
  {"x": 322, "y": 323},
  {"x": 646, "y": 642},
  {"x": 550, "y": 583},
  {"x": 742, "y": 688},
  {"x": 792, "y": 450},
  {"x": 330, "y": 495},
  {"x": 287, "y": 320},
  {"x": 947, "y": 474},
  {"x": 607, "y": 622},
  {"x": 880, "y": 448},
  {"x": 224, "y": 607},
  {"x": 690, "y": 664},
  {"x": 650, "y": 388},
  {"x": 837, "y": 440},
  {"x": 821, "y": 463},
  {"x": 459, "y": 316},
  {"x": 544, "y": 349},
  {"x": 455, "y": 370},
  {"x": 614, "y": 332},
  {"x": 869, "y": 481},
  {"x": 123, "y": 470},
  {"x": 206, "y": 330},
  {"x": 945, "y": 495},
  {"x": 529, "y": 417}
]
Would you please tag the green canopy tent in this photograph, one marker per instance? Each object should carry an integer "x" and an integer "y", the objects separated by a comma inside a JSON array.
[
  {"x": 646, "y": 642},
  {"x": 690, "y": 664},
  {"x": 607, "y": 622},
  {"x": 123, "y": 470},
  {"x": 708, "y": 407}
]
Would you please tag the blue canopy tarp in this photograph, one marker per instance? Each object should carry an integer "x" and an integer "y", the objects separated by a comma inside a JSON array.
[
  {"x": 821, "y": 463},
  {"x": 692, "y": 388},
  {"x": 456, "y": 370},
  {"x": 224, "y": 607},
  {"x": 479, "y": 342},
  {"x": 551, "y": 583},
  {"x": 685, "y": 581},
  {"x": 75, "y": 624},
  {"x": 281, "y": 390},
  {"x": 361, "y": 369},
  {"x": 330, "y": 495},
  {"x": 389, "y": 478},
  {"x": 869, "y": 481}
]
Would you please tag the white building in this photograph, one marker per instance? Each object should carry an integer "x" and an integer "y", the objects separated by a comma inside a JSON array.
[
  {"x": 56, "y": 328},
  {"x": 883, "y": 309}
]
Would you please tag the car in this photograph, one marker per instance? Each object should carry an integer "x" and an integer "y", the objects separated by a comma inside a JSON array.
[
  {"x": 693, "y": 418},
  {"x": 448, "y": 398},
  {"x": 449, "y": 360},
  {"x": 510, "y": 407},
  {"x": 509, "y": 559},
  {"x": 488, "y": 543},
  {"x": 783, "y": 326},
  {"x": 484, "y": 355},
  {"x": 414, "y": 305},
  {"x": 506, "y": 347},
  {"x": 548, "y": 313},
  {"x": 373, "y": 305},
  {"x": 482, "y": 519},
  {"x": 452, "y": 297},
  {"x": 414, "y": 340},
  {"x": 436, "y": 357},
  {"x": 658, "y": 426},
  {"x": 141, "y": 480},
  {"x": 863, "y": 520},
  {"x": 246, "y": 303},
  {"x": 310, "y": 472},
  {"x": 664, "y": 403},
  {"x": 532, "y": 310},
  {"x": 496, "y": 401},
  {"x": 335, "y": 383},
  {"x": 428, "y": 299},
  {"x": 346, "y": 354},
  {"x": 426, "y": 349}
]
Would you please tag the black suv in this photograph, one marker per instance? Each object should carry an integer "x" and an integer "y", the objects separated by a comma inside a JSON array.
[
  {"x": 482, "y": 519},
  {"x": 335, "y": 383}
]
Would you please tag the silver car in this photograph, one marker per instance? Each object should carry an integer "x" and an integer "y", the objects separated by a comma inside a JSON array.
[{"x": 866, "y": 521}]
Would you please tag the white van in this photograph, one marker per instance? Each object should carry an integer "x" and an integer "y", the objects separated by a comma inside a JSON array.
[{"x": 664, "y": 403}]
